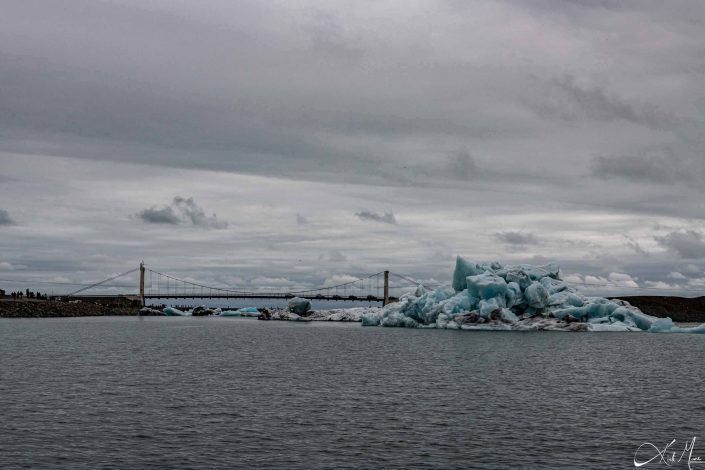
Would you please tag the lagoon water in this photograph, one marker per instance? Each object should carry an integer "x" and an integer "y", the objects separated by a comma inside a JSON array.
[{"x": 115, "y": 392}]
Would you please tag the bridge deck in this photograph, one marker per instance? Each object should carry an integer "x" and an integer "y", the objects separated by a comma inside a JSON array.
[{"x": 368, "y": 298}]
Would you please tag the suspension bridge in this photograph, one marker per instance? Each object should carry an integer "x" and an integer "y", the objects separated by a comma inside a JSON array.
[{"x": 383, "y": 286}]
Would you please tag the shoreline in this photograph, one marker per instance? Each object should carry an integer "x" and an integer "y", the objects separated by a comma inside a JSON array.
[
  {"x": 679, "y": 309},
  {"x": 29, "y": 308}
]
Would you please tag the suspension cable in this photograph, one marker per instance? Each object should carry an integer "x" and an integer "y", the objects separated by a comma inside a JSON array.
[{"x": 103, "y": 281}]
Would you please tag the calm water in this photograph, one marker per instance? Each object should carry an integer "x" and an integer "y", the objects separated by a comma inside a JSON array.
[{"x": 238, "y": 393}]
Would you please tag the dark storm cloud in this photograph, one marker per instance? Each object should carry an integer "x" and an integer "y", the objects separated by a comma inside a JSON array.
[
  {"x": 328, "y": 90},
  {"x": 181, "y": 211},
  {"x": 687, "y": 244},
  {"x": 517, "y": 238},
  {"x": 387, "y": 217},
  {"x": 5, "y": 218}
]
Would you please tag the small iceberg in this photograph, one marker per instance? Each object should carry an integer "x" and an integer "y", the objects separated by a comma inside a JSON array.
[
  {"x": 242, "y": 312},
  {"x": 299, "y": 306},
  {"x": 174, "y": 312},
  {"x": 492, "y": 296}
]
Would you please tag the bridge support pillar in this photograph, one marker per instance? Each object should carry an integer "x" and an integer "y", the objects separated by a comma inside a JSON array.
[
  {"x": 142, "y": 282},
  {"x": 386, "y": 288}
]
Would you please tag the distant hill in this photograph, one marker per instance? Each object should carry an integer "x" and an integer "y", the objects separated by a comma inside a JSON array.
[{"x": 682, "y": 309}]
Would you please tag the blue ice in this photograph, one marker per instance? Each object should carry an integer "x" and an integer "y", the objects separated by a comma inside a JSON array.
[{"x": 521, "y": 297}]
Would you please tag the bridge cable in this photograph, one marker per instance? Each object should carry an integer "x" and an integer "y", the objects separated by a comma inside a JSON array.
[{"x": 103, "y": 282}]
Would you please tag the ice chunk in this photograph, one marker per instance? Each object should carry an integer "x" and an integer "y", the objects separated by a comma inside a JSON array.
[
  {"x": 575, "y": 312},
  {"x": 353, "y": 314},
  {"x": 518, "y": 277},
  {"x": 536, "y": 295},
  {"x": 574, "y": 300},
  {"x": 398, "y": 319},
  {"x": 486, "y": 286},
  {"x": 559, "y": 298},
  {"x": 461, "y": 302},
  {"x": 463, "y": 269},
  {"x": 489, "y": 306},
  {"x": 553, "y": 286},
  {"x": 242, "y": 312},
  {"x": 700, "y": 329},
  {"x": 299, "y": 306},
  {"x": 442, "y": 320},
  {"x": 372, "y": 318},
  {"x": 508, "y": 316},
  {"x": 615, "y": 327},
  {"x": 173, "y": 312}
]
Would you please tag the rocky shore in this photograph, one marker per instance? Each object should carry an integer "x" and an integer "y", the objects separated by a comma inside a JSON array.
[{"x": 49, "y": 308}]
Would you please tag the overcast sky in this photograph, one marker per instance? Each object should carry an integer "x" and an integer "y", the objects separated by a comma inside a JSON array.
[{"x": 266, "y": 143}]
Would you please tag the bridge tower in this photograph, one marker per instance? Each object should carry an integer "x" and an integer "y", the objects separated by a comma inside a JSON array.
[
  {"x": 386, "y": 288},
  {"x": 142, "y": 282}
]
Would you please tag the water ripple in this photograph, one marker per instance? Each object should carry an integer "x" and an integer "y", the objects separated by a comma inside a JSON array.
[{"x": 158, "y": 393}]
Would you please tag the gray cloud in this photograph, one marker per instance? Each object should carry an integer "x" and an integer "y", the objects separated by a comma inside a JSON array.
[
  {"x": 164, "y": 215},
  {"x": 5, "y": 218},
  {"x": 364, "y": 106},
  {"x": 517, "y": 238},
  {"x": 301, "y": 220},
  {"x": 387, "y": 218},
  {"x": 343, "y": 92},
  {"x": 646, "y": 168},
  {"x": 329, "y": 39},
  {"x": 463, "y": 166},
  {"x": 636, "y": 246},
  {"x": 336, "y": 256},
  {"x": 181, "y": 211},
  {"x": 687, "y": 244},
  {"x": 592, "y": 102}
]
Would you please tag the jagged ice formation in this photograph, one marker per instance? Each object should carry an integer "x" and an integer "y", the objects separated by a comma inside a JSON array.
[{"x": 491, "y": 296}]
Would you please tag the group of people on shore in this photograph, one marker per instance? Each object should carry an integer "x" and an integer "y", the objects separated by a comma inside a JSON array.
[{"x": 28, "y": 294}]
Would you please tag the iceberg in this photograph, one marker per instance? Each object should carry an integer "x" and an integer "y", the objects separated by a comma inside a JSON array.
[{"x": 490, "y": 296}]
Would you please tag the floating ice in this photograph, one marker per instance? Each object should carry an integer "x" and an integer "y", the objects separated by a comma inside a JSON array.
[
  {"x": 242, "y": 312},
  {"x": 490, "y": 296},
  {"x": 299, "y": 306},
  {"x": 174, "y": 312},
  {"x": 353, "y": 314}
]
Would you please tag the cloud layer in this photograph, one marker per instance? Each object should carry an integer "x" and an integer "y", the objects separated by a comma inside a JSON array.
[{"x": 398, "y": 133}]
